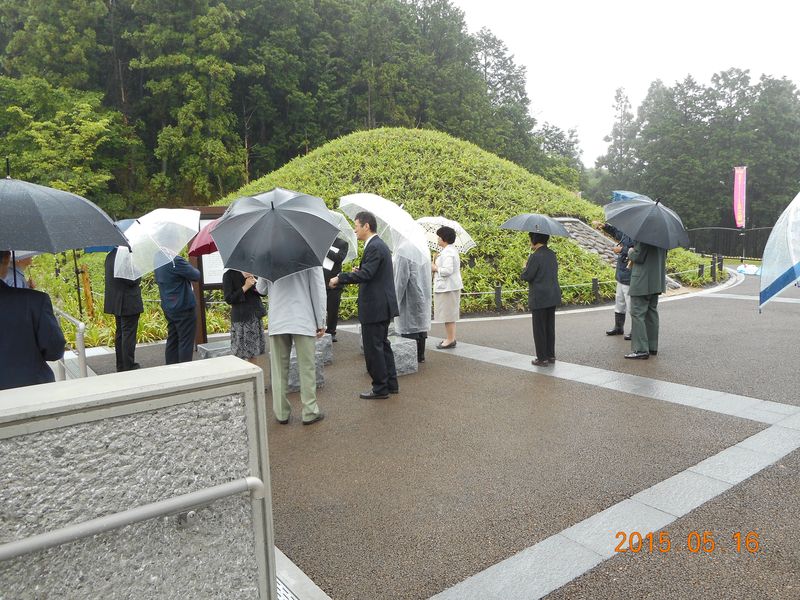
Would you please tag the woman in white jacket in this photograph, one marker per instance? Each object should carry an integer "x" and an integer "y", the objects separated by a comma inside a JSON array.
[{"x": 447, "y": 286}]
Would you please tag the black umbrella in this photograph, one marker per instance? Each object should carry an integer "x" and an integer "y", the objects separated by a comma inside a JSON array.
[
  {"x": 536, "y": 223},
  {"x": 275, "y": 234},
  {"x": 36, "y": 217},
  {"x": 44, "y": 219},
  {"x": 647, "y": 221}
]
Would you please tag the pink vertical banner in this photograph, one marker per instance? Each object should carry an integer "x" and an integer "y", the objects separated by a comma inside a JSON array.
[{"x": 739, "y": 198}]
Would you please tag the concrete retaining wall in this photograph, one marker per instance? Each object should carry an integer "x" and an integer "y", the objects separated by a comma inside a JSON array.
[{"x": 76, "y": 450}]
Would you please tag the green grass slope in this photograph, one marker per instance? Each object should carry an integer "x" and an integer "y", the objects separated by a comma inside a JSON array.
[{"x": 431, "y": 173}]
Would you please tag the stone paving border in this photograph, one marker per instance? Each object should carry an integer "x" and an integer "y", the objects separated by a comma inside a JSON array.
[{"x": 557, "y": 560}]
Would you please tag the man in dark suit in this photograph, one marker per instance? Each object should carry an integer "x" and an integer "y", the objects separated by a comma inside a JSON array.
[
  {"x": 174, "y": 281},
  {"x": 123, "y": 299},
  {"x": 30, "y": 334},
  {"x": 377, "y": 306},
  {"x": 544, "y": 295},
  {"x": 331, "y": 267}
]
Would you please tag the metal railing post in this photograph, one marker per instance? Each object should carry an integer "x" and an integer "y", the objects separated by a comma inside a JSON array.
[
  {"x": 498, "y": 298},
  {"x": 701, "y": 269},
  {"x": 596, "y": 289},
  {"x": 80, "y": 343},
  {"x": 714, "y": 268}
]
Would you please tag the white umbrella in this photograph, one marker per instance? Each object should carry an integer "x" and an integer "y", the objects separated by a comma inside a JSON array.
[
  {"x": 347, "y": 234},
  {"x": 464, "y": 242},
  {"x": 155, "y": 239},
  {"x": 780, "y": 264},
  {"x": 404, "y": 236}
]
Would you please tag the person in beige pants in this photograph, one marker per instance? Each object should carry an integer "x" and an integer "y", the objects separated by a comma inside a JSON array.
[{"x": 296, "y": 314}]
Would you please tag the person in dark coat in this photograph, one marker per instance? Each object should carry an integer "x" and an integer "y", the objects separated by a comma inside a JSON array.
[
  {"x": 30, "y": 337},
  {"x": 174, "y": 281},
  {"x": 622, "y": 300},
  {"x": 247, "y": 312},
  {"x": 123, "y": 299},
  {"x": 648, "y": 281},
  {"x": 331, "y": 267},
  {"x": 544, "y": 294},
  {"x": 377, "y": 306}
]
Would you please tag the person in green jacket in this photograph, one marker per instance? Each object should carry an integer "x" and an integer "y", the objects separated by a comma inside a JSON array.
[{"x": 648, "y": 281}]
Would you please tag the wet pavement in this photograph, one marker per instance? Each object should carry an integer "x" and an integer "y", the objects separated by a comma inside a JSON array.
[{"x": 479, "y": 459}]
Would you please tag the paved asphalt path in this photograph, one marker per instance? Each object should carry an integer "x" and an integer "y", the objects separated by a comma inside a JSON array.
[{"x": 473, "y": 462}]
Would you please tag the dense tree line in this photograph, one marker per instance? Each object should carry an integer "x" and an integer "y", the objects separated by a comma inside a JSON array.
[
  {"x": 139, "y": 103},
  {"x": 685, "y": 140}
]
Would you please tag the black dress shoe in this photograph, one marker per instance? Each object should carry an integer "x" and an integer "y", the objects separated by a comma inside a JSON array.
[
  {"x": 319, "y": 417},
  {"x": 540, "y": 363},
  {"x": 397, "y": 391},
  {"x": 627, "y": 337},
  {"x": 442, "y": 346},
  {"x": 372, "y": 396},
  {"x": 284, "y": 422},
  {"x": 638, "y": 355},
  {"x": 653, "y": 352}
]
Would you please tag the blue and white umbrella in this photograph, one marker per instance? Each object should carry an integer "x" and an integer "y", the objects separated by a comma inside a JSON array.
[{"x": 780, "y": 265}]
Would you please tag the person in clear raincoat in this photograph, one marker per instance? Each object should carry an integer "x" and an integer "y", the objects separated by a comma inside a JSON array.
[{"x": 412, "y": 283}]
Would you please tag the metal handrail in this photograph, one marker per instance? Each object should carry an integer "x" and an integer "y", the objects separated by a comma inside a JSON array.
[
  {"x": 181, "y": 503},
  {"x": 80, "y": 344}
]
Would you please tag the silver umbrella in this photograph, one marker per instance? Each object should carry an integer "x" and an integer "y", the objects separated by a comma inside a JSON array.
[
  {"x": 36, "y": 217},
  {"x": 275, "y": 234},
  {"x": 536, "y": 223}
]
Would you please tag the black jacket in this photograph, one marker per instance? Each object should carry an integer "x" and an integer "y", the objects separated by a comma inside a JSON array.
[
  {"x": 30, "y": 337},
  {"x": 122, "y": 297},
  {"x": 623, "y": 273},
  {"x": 377, "y": 301},
  {"x": 244, "y": 305},
  {"x": 541, "y": 273},
  {"x": 336, "y": 254}
]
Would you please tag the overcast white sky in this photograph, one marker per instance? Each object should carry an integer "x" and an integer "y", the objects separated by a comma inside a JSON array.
[{"x": 577, "y": 53}]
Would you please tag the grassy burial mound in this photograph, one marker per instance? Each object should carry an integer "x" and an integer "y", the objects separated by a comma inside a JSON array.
[{"x": 432, "y": 173}]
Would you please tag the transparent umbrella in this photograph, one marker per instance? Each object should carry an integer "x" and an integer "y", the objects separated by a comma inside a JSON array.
[
  {"x": 395, "y": 225},
  {"x": 464, "y": 242},
  {"x": 155, "y": 239},
  {"x": 780, "y": 264},
  {"x": 347, "y": 234}
]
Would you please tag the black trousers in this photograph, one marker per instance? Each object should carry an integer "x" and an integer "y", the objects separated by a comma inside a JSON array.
[
  {"x": 379, "y": 357},
  {"x": 334, "y": 299},
  {"x": 125, "y": 341},
  {"x": 180, "y": 336},
  {"x": 420, "y": 339},
  {"x": 544, "y": 332}
]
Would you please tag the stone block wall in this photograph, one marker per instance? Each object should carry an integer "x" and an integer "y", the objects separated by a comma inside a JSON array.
[{"x": 128, "y": 441}]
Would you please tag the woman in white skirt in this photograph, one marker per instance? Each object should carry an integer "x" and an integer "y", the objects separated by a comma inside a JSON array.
[{"x": 447, "y": 285}]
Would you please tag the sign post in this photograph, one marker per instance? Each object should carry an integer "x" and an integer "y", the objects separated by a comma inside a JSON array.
[
  {"x": 210, "y": 267},
  {"x": 740, "y": 201}
]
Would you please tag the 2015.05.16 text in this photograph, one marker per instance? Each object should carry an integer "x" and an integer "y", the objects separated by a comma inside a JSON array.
[{"x": 696, "y": 542}]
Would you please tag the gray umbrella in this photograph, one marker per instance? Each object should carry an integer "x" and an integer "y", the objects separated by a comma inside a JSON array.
[
  {"x": 536, "y": 223},
  {"x": 36, "y": 217},
  {"x": 275, "y": 234},
  {"x": 647, "y": 221}
]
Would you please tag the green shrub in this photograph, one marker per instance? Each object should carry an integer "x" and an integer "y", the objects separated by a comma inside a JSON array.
[
  {"x": 432, "y": 173},
  {"x": 429, "y": 173}
]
